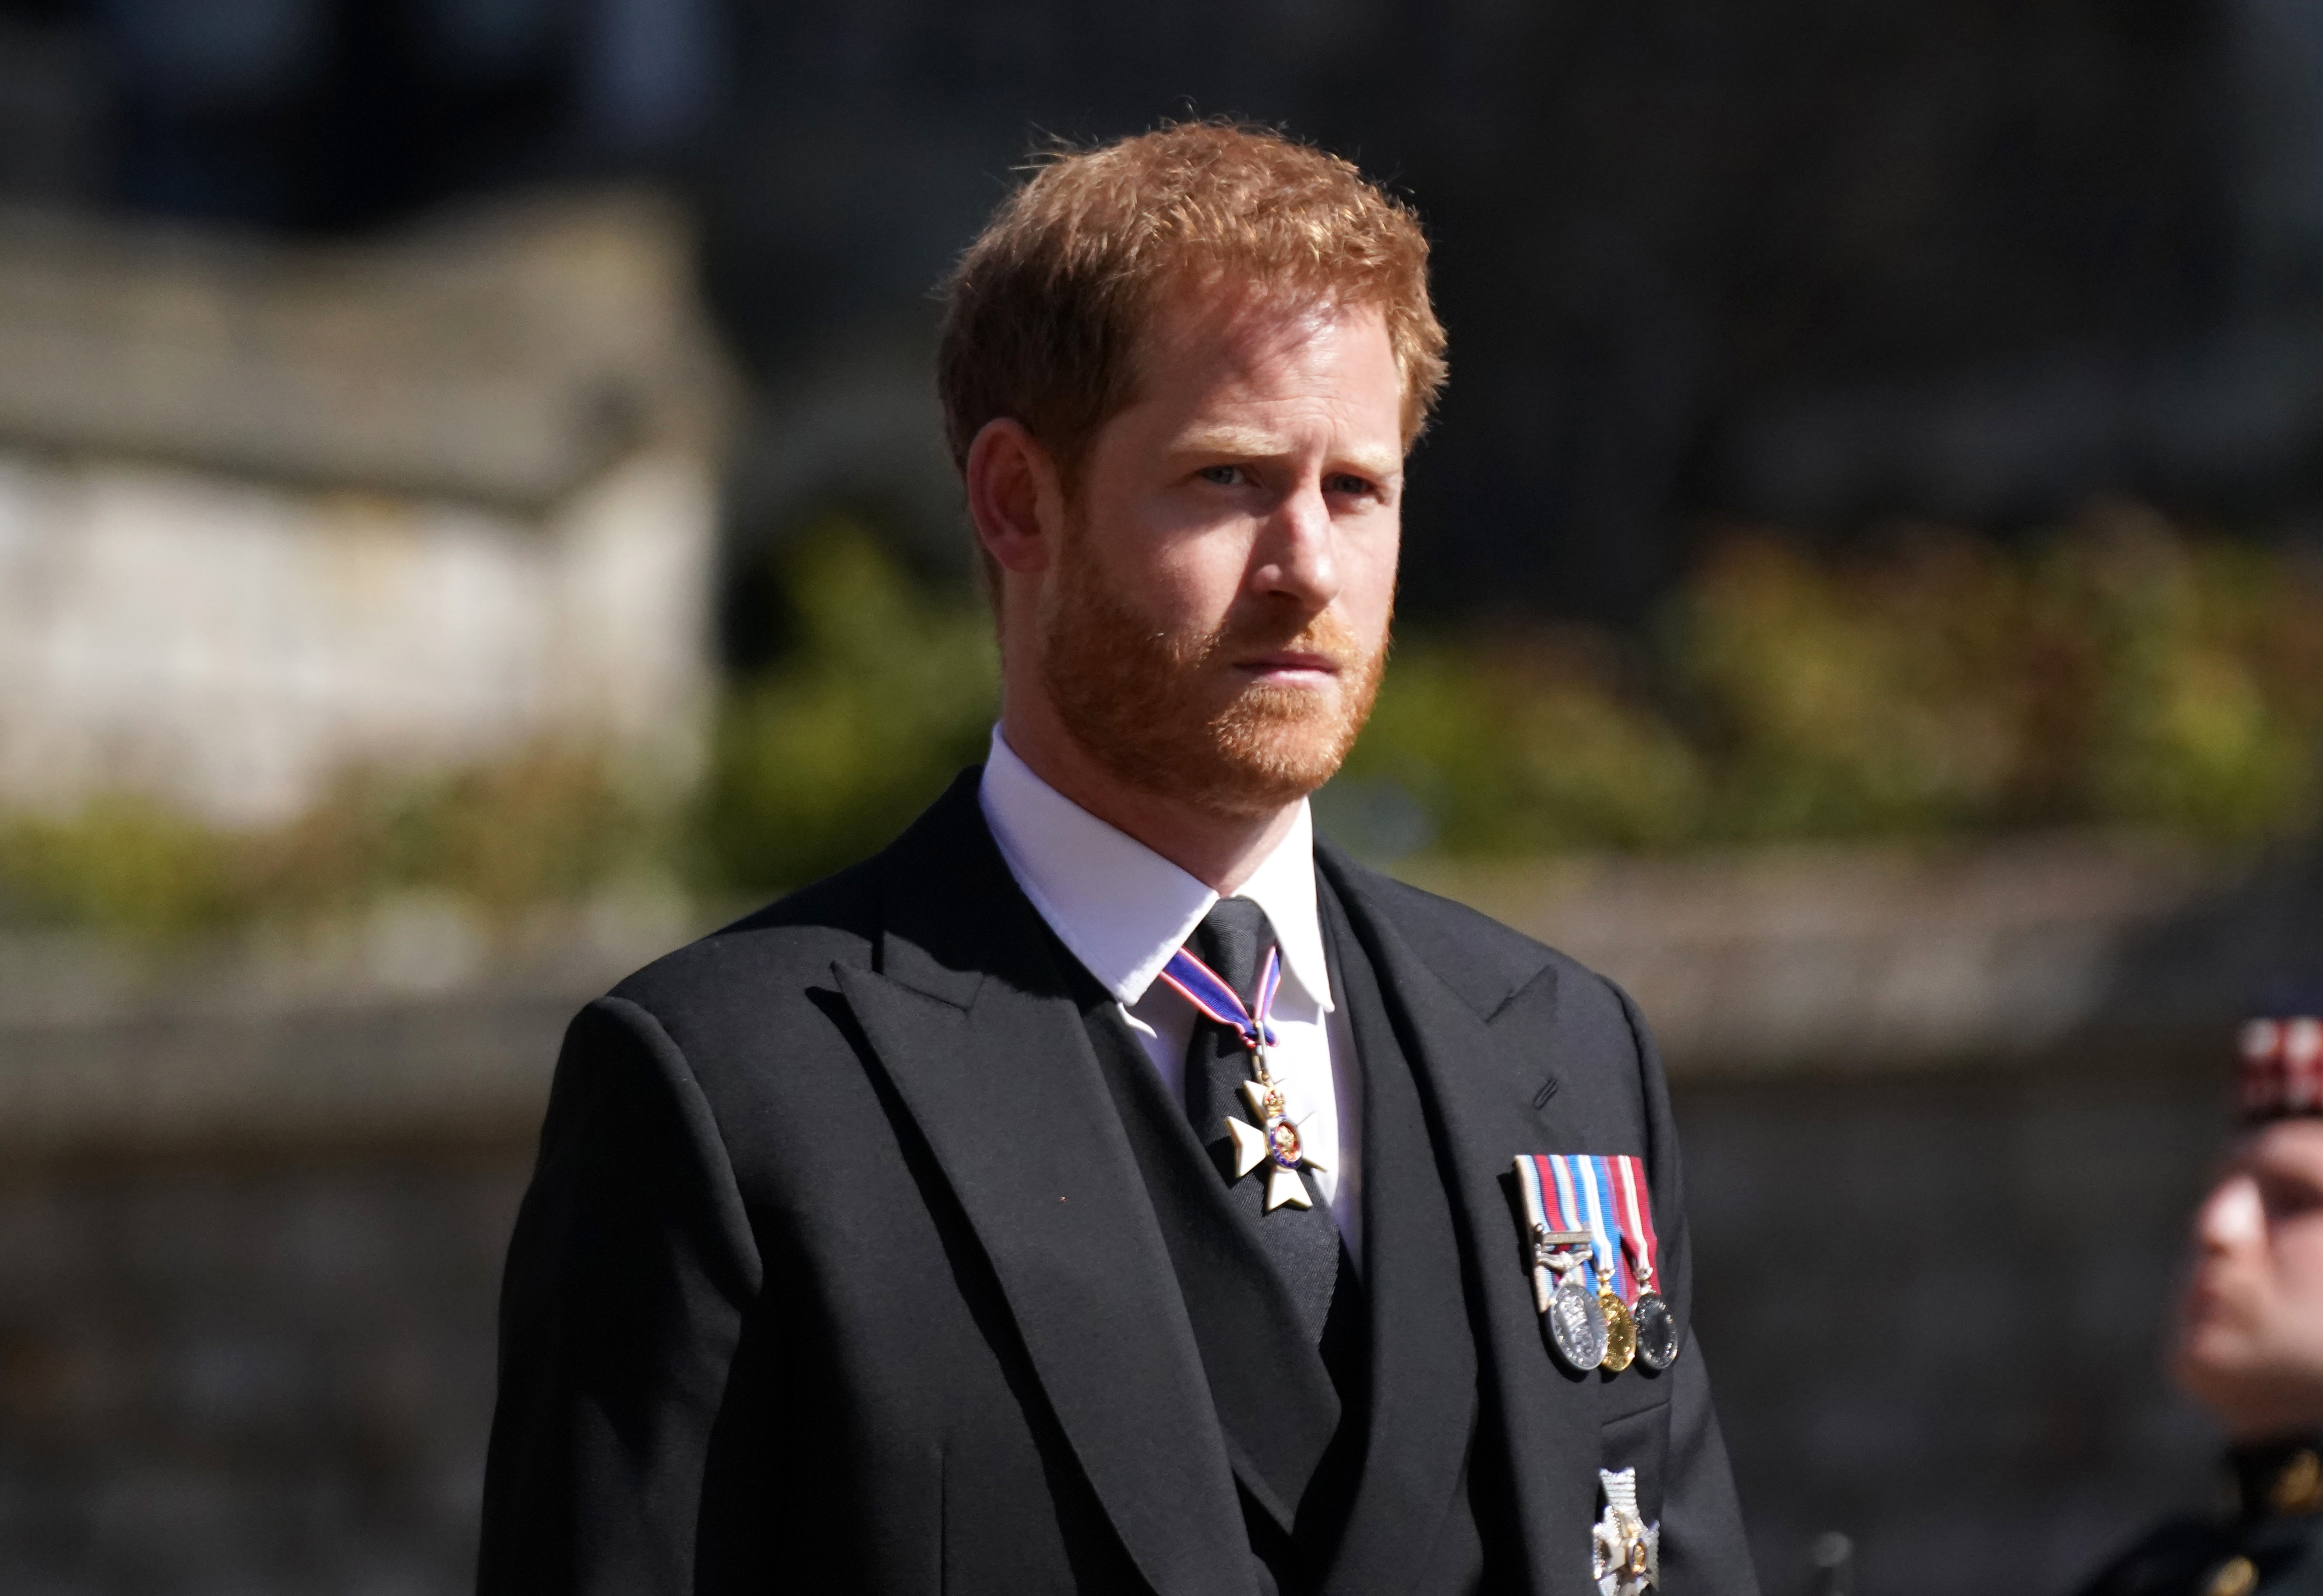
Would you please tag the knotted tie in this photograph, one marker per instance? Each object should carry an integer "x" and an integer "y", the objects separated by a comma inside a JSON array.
[{"x": 1303, "y": 1243}]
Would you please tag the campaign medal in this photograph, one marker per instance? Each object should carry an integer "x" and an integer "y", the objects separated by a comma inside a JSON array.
[
  {"x": 1625, "y": 1554},
  {"x": 1275, "y": 1139},
  {"x": 1657, "y": 1327},
  {"x": 1605, "y": 1250},
  {"x": 1558, "y": 1251}
]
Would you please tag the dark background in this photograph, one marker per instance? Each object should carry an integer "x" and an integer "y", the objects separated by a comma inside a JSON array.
[
  {"x": 1820, "y": 264},
  {"x": 1812, "y": 260}
]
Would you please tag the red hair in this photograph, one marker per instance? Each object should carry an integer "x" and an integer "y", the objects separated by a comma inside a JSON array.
[{"x": 1044, "y": 313}]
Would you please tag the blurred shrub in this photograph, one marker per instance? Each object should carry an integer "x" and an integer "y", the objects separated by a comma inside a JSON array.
[
  {"x": 549, "y": 825},
  {"x": 123, "y": 863},
  {"x": 1518, "y": 744},
  {"x": 2114, "y": 674},
  {"x": 545, "y": 825},
  {"x": 886, "y": 693}
]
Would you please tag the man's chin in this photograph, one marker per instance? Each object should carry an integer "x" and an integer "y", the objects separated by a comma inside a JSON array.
[
  {"x": 1241, "y": 772},
  {"x": 1244, "y": 789},
  {"x": 1277, "y": 761}
]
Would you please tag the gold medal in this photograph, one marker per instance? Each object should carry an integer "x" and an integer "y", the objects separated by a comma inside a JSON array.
[{"x": 1620, "y": 1329}]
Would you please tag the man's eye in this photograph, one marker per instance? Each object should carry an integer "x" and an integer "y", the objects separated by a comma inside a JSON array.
[
  {"x": 2288, "y": 1198},
  {"x": 1225, "y": 476},
  {"x": 1345, "y": 483}
]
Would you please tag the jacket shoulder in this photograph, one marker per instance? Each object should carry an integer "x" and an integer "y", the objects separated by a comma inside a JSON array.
[
  {"x": 789, "y": 942},
  {"x": 1486, "y": 962}
]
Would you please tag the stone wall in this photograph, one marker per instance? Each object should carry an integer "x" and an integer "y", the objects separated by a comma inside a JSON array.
[{"x": 270, "y": 512}]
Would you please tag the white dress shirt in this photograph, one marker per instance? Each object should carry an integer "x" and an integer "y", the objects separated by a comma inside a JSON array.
[{"x": 1124, "y": 910}]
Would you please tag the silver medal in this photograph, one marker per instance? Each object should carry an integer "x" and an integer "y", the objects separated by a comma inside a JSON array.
[
  {"x": 1576, "y": 1322},
  {"x": 1656, "y": 1330}
]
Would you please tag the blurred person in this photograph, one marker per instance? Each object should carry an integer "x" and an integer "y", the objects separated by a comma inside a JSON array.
[
  {"x": 1110, "y": 1186},
  {"x": 2249, "y": 1345}
]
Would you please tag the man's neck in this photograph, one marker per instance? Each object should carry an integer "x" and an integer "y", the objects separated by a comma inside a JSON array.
[{"x": 1221, "y": 851}]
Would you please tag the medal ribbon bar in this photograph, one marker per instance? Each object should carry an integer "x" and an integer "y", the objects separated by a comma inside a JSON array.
[
  {"x": 1587, "y": 1174},
  {"x": 1553, "y": 1226},
  {"x": 1636, "y": 1208}
]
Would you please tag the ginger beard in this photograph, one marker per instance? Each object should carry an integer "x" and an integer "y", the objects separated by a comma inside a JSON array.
[{"x": 1166, "y": 711}]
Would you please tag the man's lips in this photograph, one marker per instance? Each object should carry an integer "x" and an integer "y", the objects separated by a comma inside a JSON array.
[{"x": 1290, "y": 665}]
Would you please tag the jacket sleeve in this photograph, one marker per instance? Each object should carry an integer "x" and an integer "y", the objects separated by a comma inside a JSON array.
[
  {"x": 1704, "y": 1548},
  {"x": 621, "y": 1308}
]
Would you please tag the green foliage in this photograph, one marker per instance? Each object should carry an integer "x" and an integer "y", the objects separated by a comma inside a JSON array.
[
  {"x": 123, "y": 862},
  {"x": 549, "y": 825},
  {"x": 1524, "y": 745},
  {"x": 822, "y": 760},
  {"x": 544, "y": 826},
  {"x": 2114, "y": 674}
]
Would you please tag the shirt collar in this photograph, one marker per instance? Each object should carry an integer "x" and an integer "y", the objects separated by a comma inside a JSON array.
[{"x": 1122, "y": 908}]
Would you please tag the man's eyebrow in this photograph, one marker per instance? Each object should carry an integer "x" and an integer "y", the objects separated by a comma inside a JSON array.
[
  {"x": 1252, "y": 443},
  {"x": 1249, "y": 442}
]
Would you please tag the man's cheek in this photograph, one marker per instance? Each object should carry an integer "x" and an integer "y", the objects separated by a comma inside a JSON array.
[{"x": 2298, "y": 1273}]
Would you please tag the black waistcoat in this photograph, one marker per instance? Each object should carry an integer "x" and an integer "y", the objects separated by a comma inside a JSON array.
[{"x": 1354, "y": 1458}]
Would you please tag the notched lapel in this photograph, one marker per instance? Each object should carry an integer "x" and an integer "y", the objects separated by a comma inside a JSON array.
[
  {"x": 996, "y": 1071},
  {"x": 1483, "y": 1117}
]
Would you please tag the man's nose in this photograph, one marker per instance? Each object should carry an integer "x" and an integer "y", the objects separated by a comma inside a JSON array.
[
  {"x": 2232, "y": 1217},
  {"x": 1296, "y": 556}
]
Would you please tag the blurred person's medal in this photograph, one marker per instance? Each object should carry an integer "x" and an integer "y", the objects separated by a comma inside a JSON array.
[
  {"x": 1274, "y": 1140},
  {"x": 1591, "y": 1173},
  {"x": 1657, "y": 1327},
  {"x": 1558, "y": 1250}
]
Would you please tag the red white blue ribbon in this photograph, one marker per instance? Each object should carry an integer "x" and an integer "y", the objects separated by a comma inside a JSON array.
[
  {"x": 1636, "y": 1208},
  {"x": 1549, "y": 1200},
  {"x": 1604, "y": 1223},
  {"x": 1575, "y": 1194},
  {"x": 1207, "y": 990}
]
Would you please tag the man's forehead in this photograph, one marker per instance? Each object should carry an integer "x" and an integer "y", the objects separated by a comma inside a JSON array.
[{"x": 1213, "y": 318}]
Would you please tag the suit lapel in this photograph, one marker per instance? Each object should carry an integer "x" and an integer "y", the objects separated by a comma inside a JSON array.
[
  {"x": 973, "y": 1025},
  {"x": 1423, "y": 1353},
  {"x": 1479, "y": 1122}
]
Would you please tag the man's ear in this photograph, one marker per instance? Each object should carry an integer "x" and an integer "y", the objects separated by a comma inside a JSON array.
[{"x": 1013, "y": 496}]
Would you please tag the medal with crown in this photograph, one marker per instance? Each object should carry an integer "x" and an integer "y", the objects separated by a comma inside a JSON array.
[{"x": 1273, "y": 1138}]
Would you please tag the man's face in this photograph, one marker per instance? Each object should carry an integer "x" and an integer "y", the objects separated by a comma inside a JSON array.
[
  {"x": 2250, "y": 1341},
  {"x": 1217, "y": 626}
]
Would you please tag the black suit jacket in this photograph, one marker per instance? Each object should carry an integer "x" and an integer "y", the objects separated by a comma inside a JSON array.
[{"x": 837, "y": 1271}]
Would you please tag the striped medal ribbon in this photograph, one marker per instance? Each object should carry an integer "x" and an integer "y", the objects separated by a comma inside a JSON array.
[
  {"x": 1657, "y": 1327},
  {"x": 1590, "y": 1171},
  {"x": 1571, "y": 1313}
]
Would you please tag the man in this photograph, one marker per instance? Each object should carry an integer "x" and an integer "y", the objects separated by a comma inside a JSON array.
[
  {"x": 2250, "y": 1342},
  {"x": 1110, "y": 1186}
]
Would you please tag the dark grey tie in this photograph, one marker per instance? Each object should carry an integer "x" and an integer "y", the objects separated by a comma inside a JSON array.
[{"x": 1303, "y": 1243}]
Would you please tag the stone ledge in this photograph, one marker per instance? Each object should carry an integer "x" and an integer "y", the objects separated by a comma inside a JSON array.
[
  {"x": 1872, "y": 959},
  {"x": 1853, "y": 961},
  {"x": 410, "y": 1028}
]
